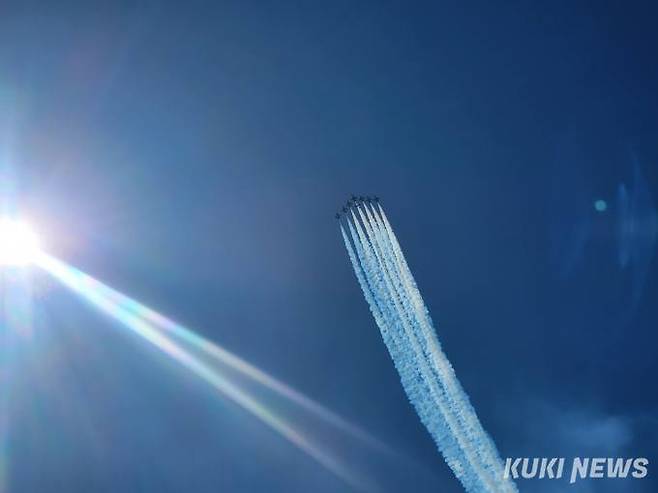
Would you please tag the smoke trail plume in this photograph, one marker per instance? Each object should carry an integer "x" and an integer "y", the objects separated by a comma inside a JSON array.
[{"x": 406, "y": 327}]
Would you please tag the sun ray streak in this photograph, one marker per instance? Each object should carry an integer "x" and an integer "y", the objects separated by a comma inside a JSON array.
[
  {"x": 127, "y": 312},
  {"x": 243, "y": 367}
]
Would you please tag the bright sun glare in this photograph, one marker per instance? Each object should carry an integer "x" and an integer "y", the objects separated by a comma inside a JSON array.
[{"x": 19, "y": 244}]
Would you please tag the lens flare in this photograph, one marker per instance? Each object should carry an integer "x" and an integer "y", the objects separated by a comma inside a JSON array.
[
  {"x": 225, "y": 357},
  {"x": 146, "y": 322}
]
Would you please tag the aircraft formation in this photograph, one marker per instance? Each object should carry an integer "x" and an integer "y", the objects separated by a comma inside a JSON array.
[{"x": 354, "y": 201}]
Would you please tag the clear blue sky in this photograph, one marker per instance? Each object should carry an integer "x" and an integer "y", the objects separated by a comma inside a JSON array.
[{"x": 193, "y": 157}]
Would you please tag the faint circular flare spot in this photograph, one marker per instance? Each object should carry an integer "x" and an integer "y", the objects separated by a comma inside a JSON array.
[{"x": 601, "y": 205}]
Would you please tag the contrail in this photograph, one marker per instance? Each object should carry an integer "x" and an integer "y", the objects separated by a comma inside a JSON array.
[
  {"x": 455, "y": 451},
  {"x": 163, "y": 334},
  {"x": 408, "y": 332},
  {"x": 438, "y": 357}
]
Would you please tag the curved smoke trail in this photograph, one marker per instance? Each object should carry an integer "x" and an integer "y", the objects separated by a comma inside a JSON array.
[{"x": 426, "y": 374}]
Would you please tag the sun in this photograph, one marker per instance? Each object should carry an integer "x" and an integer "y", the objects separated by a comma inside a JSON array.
[{"x": 19, "y": 244}]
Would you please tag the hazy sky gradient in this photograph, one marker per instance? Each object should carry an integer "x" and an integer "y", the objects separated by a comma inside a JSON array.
[{"x": 193, "y": 157}]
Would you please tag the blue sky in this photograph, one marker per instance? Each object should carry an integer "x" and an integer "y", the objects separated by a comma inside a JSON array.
[{"x": 193, "y": 158}]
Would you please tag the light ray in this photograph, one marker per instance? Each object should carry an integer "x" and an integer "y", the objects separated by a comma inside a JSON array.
[
  {"x": 128, "y": 312},
  {"x": 243, "y": 367}
]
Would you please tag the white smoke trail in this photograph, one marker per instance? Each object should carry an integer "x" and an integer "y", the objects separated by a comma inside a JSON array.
[
  {"x": 405, "y": 351},
  {"x": 459, "y": 402},
  {"x": 416, "y": 387},
  {"x": 446, "y": 372},
  {"x": 464, "y": 453},
  {"x": 427, "y": 375}
]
